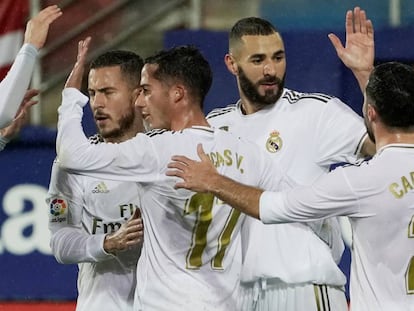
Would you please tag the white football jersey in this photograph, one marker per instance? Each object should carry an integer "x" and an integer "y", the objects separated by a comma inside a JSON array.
[
  {"x": 191, "y": 257},
  {"x": 304, "y": 134},
  {"x": 82, "y": 210},
  {"x": 14, "y": 85},
  {"x": 378, "y": 198}
]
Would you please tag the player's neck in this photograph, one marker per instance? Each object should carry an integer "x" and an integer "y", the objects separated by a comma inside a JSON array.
[
  {"x": 120, "y": 138},
  {"x": 247, "y": 107},
  {"x": 193, "y": 117},
  {"x": 394, "y": 137}
]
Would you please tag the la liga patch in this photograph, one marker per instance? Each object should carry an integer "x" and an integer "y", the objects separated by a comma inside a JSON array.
[{"x": 58, "y": 210}]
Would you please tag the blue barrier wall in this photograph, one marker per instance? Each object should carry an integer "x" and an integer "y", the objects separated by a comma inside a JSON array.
[
  {"x": 321, "y": 14},
  {"x": 28, "y": 270}
]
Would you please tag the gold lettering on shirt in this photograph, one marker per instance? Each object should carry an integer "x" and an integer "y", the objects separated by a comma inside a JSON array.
[
  {"x": 226, "y": 158},
  {"x": 400, "y": 188}
]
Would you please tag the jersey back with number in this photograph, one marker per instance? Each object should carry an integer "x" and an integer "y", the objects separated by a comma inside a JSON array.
[{"x": 191, "y": 258}]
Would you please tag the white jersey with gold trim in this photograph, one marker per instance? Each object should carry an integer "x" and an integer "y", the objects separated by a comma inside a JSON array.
[
  {"x": 82, "y": 210},
  {"x": 191, "y": 257},
  {"x": 378, "y": 198},
  {"x": 304, "y": 134}
]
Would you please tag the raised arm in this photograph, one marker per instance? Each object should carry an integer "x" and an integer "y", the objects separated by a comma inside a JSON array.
[
  {"x": 114, "y": 161},
  {"x": 70, "y": 132},
  {"x": 38, "y": 27},
  {"x": 359, "y": 51},
  {"x": 75, "y": 78},
  {"x": 15, "y": 84}
]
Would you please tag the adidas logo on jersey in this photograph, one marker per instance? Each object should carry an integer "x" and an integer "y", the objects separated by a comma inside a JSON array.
[{"x": 100, "y": 188}]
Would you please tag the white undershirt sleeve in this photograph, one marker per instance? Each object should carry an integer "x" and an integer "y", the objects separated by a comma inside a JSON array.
[
  {"x": 331, "y": 195},
  {"x": 69, "y": 242},
  {"x": 271, "y": 203},
  {"x": 72, "y": 245},
  {"x": 131, "y": 160},
  {"x": 14, "y": 86}
]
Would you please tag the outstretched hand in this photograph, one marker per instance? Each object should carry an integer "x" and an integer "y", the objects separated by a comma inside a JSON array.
[
  {"x": 75, "y": 78},
  {"x": 21, "y": 116},
  {"x": 129, "y": 234},
  {"x": 359, "y": 50},
  {"x": 197, "y": 175},
  {"x": 38, "y": 27}
]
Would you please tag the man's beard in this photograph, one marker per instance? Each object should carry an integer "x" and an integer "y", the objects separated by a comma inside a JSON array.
[
  {"x": 250, "y": 90},
  {"x": 125, "y": 123},
  {"x": 369, "y": 131}
]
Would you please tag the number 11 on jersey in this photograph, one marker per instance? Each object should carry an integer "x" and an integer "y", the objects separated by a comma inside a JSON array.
[{"x": 202, "y": 204}]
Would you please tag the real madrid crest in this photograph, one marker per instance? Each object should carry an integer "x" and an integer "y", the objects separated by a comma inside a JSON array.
[{"x": 274, "y": 143}]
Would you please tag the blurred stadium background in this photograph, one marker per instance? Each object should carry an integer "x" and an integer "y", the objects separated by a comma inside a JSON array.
[{"x": 31, "y": 278}]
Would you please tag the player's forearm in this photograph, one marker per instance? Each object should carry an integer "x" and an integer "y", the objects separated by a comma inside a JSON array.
[
  {"x": 362, "y": 76},
  {"x": 14, "y": 85},
  {"x": 75, "y": 152},
  {"x": 239, "y": 196},
  {"x": 71, "y": 245},
  {"x": 71, "y": 140}
]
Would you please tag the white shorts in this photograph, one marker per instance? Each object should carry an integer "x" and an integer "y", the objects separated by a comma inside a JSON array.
[{"x": 269, "y": 295}]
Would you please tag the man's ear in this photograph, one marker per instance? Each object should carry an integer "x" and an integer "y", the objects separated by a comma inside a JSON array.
[
  {"x": 177, "y": 92},
  {"x": 371, "y": 113},
  {"x": 231, "y": 64}
]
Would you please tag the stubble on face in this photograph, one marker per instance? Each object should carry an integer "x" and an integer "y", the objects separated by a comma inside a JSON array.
[
  {"x": 366, "y": 120},
  {"x": 123, "y": 126},
  {"x": 369, "y": 131},
  {"x": 251, "y": 89},
  {"x": 368, "y": 126}
]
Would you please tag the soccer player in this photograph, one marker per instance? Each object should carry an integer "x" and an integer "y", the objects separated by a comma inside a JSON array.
[
  {"x": 14, "y": 86},
  {"x": 95, "y": 222},
  {"x": 377, "y": 195},
  {"x": 303, "y": 133},
  {"x": 191, "y": 257}
]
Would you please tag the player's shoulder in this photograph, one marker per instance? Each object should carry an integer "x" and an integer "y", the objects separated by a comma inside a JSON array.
[
  {"x": 295, "y": 97},
  {"x": 241, "y": 141},
  {"x": 221, "y": 111},
  {"x": 156, "y": 132},
  {"x": 95, "y": 139},
  {"x": 358, "y": 163}
]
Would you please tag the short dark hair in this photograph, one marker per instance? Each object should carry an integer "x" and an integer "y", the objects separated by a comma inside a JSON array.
[
  {"x": 391, "y": 89},
  {"x": 129, "y": 62},
  {"x": 250, "y": 26},
  {"x": 187, "y": 65}
]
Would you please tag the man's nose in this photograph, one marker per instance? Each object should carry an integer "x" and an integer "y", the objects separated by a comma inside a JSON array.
[
  {"x": 139, "y": 102},
  {"x": 98, "y": 101},
  {"x": 269, "y": 69}
]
